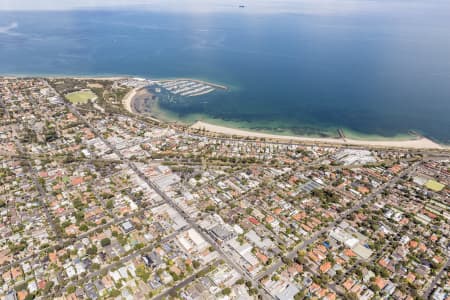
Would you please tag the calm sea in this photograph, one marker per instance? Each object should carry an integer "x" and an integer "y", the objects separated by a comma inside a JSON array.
[{"x": 380, "y": 72}]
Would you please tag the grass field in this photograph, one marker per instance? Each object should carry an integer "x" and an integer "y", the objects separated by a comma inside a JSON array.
[
  {"x": 434, "y": 185},
  {"x": 80, "y": 97}
]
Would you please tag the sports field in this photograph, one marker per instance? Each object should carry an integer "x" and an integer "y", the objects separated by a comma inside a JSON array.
[
  {"x": 434, "y": 185},
  {"x": 81, "y": 97}
]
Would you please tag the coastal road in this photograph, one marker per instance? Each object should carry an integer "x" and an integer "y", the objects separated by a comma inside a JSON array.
[{"x": 223, "y": 137}]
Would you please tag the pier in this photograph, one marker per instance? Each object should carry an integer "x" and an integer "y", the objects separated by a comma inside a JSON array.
[
  {"x": 215, "y": 85},
  {"x": 189, "y": 87},
  {"x": 341, "y": 134}
]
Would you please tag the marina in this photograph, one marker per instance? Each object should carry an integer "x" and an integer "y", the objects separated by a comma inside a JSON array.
[
  {"x": 189, "y": 87},
  {"x": 287, "y": 87},
  {"x": 257, "y": 150}
]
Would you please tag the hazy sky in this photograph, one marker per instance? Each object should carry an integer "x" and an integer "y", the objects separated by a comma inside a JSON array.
[
  {"x": 167, "y": 4},
  {"x": 200, "y": 5},
  {"x": 300, "y": 6}
]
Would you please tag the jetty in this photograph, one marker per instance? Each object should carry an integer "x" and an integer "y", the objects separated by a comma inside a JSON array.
[
  {"x": 189, "y": 87},
  {"x": 341, "y": 134}
]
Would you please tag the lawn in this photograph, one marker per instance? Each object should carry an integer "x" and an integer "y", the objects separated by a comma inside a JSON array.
[
  {"x": 434, "y": 185},
  {"x": 80, "y": 97}
]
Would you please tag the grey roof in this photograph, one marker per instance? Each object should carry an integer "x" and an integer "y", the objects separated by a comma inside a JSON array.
[{"x": 288, "y": 293}]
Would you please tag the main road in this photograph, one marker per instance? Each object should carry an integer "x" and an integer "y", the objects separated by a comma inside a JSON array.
[
  {"x": 169, "y": 201},
  {"x": 254, "y": 280}
]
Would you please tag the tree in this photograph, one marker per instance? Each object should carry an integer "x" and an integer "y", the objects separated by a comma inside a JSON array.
[
  {"x": 226, "y": 291},
  {"x": 109, "y": 204},
  {"x": 196, "y": 264},
  {"x": 105, "y": 242},
  {"x": 142, "y": 273},
  {"x": 48, "y": 287},
  {"x": 30, "y": 296},
  {"x": 92, "y": 250},
  {"x": 79, "y": 216},
  {"x": 351, "y": 296},
  {"x": 374, "y": 287},
  {"x": 84, "y": 227},
  {"x": 300, "y": 295},
  {"x": 210, "y": 208}
]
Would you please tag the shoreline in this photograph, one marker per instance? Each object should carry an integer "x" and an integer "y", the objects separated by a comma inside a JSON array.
[
  {"x": 413, "y": 143},
  {"x": 420, "y": 143},
  {"x": 127, "y": 103}
]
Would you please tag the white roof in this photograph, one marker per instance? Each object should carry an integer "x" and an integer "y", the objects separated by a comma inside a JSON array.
[
  {"x": 351, "y": 243},
  {"x": 197, "y": 238},
  {"x": 241, "y": 249},
  {"x": 185, "y": 243},
  {"x": 115, "y": 276},
  {"x": 238, "y": 229}
]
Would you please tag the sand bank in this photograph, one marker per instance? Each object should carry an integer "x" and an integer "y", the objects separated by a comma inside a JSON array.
[{"x": 419, "y": 143}]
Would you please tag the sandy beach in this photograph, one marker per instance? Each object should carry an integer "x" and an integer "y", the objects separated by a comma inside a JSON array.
[
  {"x": 413, "y": 143},
  {"x": 419, "y": 143},
  {"x": 128, "y": 99}
]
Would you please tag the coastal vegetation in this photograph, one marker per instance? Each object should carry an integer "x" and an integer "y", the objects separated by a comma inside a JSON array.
[{"x": 105, "y": 93}]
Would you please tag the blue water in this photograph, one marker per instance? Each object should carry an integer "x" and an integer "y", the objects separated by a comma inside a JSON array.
[{"x": 373, "y": 72}]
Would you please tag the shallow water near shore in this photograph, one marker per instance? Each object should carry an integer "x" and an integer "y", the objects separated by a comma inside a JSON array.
[
  {"x": 156, "y": 111},
  {"x": 373, "y": 73}
]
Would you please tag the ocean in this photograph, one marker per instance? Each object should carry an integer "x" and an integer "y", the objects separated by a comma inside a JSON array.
[{"x": 374, "y": 73}]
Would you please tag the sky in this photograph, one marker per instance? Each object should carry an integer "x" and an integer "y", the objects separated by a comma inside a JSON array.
[
  {"x": 291, "y": 6},
  {"x": 197, "y": 5}
]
